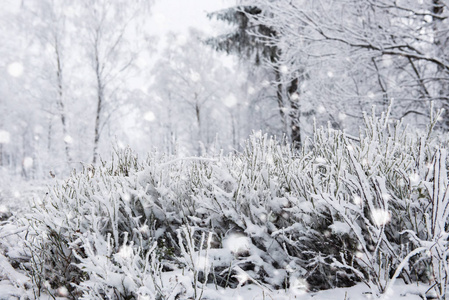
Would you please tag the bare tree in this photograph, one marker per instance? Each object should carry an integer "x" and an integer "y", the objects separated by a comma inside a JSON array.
[
  {"x": 45, "y": 22},
  {"x": 357, "y": 53},
  {"x": 56, "y": 32},
  {"x": 108, "y": 25},
  {"x": 200, "y": 94}
]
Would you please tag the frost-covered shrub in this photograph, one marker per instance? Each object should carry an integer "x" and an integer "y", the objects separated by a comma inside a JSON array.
[
  {"x": 341, "y": 210},
  {"x": 93, "y": 215},
  {"x": 375, "y": 195}
]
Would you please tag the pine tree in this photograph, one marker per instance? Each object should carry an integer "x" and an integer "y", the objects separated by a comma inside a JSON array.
[{"x": 251, "y": 41}]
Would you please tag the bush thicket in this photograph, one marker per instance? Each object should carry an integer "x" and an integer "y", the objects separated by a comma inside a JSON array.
[{"x": 339, "y": 211}]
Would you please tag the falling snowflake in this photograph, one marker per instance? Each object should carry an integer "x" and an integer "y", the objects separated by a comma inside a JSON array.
[
  {"x": 237, "y": 243},
  {"x": 357, "y": 200},
  {"x": 283, "y": 69},
  {"x": 294, "y": 96},
  {"x": 27, "y": 162},
  {"x": 321, "y": 109},
  {"x": 414, "y": 179},
  {"x": 15, "y": 69},
  {"x": 341, "y": 116},
  {"x": 120, "y": 145},
  {"x": 381, "y": 217},
  {"x": 230, "y": 100},
  {"x": 62, "y": 292},
  {"x": 149, "y": 116},
  {"x": 4, "y": 209},
  {"x": 258, "y": 134},
  {"x": 194, "y": 76},
  {"x": 68, "y": 139},
  {"x": 4, "y": 137}
]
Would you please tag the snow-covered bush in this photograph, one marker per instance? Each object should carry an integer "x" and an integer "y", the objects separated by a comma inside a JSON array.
[
  {"x": 85, "y": 225},
  {"x": 377, "y": 194},
  {"x": 342, "y": 210}
]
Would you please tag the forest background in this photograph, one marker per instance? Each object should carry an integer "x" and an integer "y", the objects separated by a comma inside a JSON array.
[{"x": 80, "y": 78}]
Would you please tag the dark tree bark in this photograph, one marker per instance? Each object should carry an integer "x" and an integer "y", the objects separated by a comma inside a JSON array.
[
  {"x": 295, "y": 113},
  {"x": 60, "y": 100},
  {"x": 248, "y": 46},
  {"x": 100, "y": 99}
]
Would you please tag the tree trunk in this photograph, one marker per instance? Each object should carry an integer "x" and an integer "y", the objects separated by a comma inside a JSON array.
[
  {"x": 291, "y": 127},
  {"x": 293, "y": 96},
  {"x": 100, "y": 99},
  {"x": 49, "y": 133},
  {"x": 198, "y": 120},
  {"x": 60, "y": 101},
  {"x": 234, "y": 134},
  {"x": 280, "y": 98},
  {"x": 439, "y": 36}
]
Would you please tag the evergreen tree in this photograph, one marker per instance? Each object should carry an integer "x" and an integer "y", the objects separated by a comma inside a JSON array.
[{"x": 251, "y": 41}]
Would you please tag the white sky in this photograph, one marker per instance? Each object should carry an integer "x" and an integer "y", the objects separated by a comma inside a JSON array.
[
  {"x": 169, "y": 15},
  {"x": 179, "y": 15}
]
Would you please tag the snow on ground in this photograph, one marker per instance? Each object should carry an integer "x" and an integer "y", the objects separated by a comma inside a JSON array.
[
  {"x": 360, "y": 291},
  {"x": 16, "y": 198}
]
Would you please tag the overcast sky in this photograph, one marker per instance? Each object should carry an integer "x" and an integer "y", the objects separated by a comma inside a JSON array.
[
  {"x": 169, "y": 15},
  {"x": 178, "y": 15}
]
